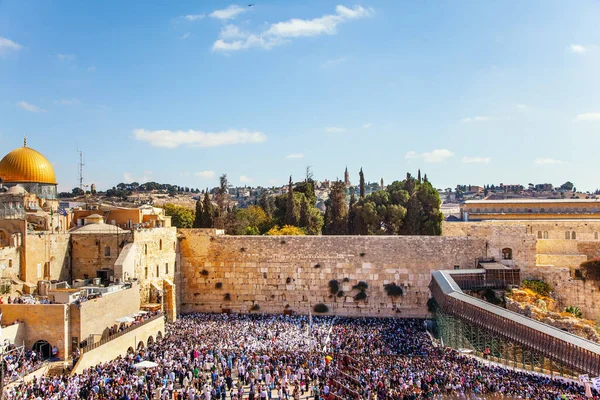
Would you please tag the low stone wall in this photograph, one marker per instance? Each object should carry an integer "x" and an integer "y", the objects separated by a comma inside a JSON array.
[{"x": 119, "y": 346}]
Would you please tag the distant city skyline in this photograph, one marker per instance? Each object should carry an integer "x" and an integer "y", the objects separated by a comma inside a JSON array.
[{"x": 469, "y": 92}]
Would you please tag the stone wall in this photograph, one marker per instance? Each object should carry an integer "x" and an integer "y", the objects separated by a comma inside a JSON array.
[
  {"x": 93, "y": 317},
  {"x": 292, "y": 272},
  {"x": 554, "y": 258},
  {"x": 94, "y": 251},
  {"x": 42, "y": 322},
  {"x": 155, "y": 258},
  {"x": 47, "y": 252},
  {"x": 119, "y": 346}
]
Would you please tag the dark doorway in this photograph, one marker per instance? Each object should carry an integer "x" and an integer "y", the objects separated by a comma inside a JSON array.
[{"x": 43, "y": 348}]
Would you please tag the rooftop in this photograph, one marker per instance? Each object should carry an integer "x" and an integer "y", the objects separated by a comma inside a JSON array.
[{"x": 532, "y": 201}]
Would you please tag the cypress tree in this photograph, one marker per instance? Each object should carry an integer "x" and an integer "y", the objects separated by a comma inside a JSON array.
[
  {"x": 290, "y": 210},
  {"x": 207, "y": 220},
  {"x": 362, "y": 183},
  {"x": 352, "y": 214},
  {"x": 198, "y": 216},
  {"x": 337, "y": 211}
]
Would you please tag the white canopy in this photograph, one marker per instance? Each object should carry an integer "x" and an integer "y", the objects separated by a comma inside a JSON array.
[
  {"x": 145, "y": 364},
  {"x": 125, "y": 319}
]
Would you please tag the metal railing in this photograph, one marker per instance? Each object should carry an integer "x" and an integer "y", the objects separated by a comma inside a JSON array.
[
  {"x": 125, "y": 331},
  {"x": 573, "y": 351}
]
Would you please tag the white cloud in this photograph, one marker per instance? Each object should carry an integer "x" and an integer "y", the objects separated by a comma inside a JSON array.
[
  {"x": 185, "y": 36},
  {"x": 333, "y": 61},
  {"x": 281, "y": 32},
  {"x": 577, "y": 48},
  {"x": 479, "y": 118},
  {"x": 7, "y": 45},
  {"x": 476, "y": 160},
  {"x": 194, "y": 17},
  {"x": 522, "y": 107},
  {"x": 173, "y": 139},
  {"x": 434, "y": 156},
  {"x": 205, "y": 174},
  {"x": 335, "y": 129},
  {"x": 296, "y": 155},
  {"x": 91, "y": 69},
  {"x": 229, "y": 12},
  {"x": 245, "y": 179},
  {"x": 29, "y": 107},
  {"x": 67, "y": 102},
  {"x": 588, "y": 117},
  {"x": 66, "y": 57},
  {"x": 128, "y": 177},
  {"x": 548, "y": 161},
  {"x": 367, "y": 125}
]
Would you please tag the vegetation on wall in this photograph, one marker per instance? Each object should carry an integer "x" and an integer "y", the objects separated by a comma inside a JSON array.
[
  {"x": 575, "y": 311},
  {"x": 393, "y": 290},
  {"x": 591, "y": 269},
  {"x": 320, "y": 308},
  {"x": 540, "y": 287}
]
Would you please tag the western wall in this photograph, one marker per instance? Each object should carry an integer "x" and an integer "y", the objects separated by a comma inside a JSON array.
[{"x": 276, "y": 273}]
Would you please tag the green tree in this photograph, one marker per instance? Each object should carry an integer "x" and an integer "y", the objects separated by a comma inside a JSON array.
[
  {"x": 291, "y": 215},
  {"x": 352, "y": 214},
  {"x": 198, "y": 214},
  {"x": 362, "y": 183},
  {"x": 222, "y": 202},
  {"x": 567, "y": 186},
  {"x": 181, "y": 217},
  {"x": 286, "y": 230},
  {"x": 336, "y": 216},
  {"x": 208, "y": 212}
]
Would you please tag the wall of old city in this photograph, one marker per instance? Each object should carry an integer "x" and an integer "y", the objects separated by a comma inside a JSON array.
[
  {"x": 47, "y": 252},
  {"x": 292, "y": 272},
  {"x": 41, "y": 322},
  {"x": 94, "y": 317},
  {"x": 94, "y": 251},
  {"x": 498, "y": 236},
  {"x": 555, "y": 258},
  {"x": 155, "y": 259}
]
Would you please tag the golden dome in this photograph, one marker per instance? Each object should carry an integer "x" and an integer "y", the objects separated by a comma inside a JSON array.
[{"x": 26, "y": 165}]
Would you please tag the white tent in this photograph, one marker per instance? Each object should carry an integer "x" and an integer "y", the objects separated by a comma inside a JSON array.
[
  {"x": 125, "y": 319},
  {"x": 145, "y": 364}
]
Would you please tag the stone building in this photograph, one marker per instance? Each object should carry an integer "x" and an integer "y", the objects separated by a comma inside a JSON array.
[{"x": 530, "y": 209}]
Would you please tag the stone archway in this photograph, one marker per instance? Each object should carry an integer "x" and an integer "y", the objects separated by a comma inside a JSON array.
[
  {"x": 140, "y": 346},
  {"x": 159, "y": 336},
  {"x": 150, "y": 340},
  {"x": 130, "y": 350},
  {"x": 43, "y": 348}
]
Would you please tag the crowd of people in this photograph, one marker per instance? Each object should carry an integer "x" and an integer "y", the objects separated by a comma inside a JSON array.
[
  {"x": 18, "y": 362},
  {"x": 219, "y": 356}
]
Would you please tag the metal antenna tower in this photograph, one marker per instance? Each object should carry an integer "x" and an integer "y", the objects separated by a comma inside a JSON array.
[{"x": 80, "y": 169}]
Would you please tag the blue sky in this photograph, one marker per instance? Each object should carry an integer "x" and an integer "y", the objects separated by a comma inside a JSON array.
[{"x": 471, "y": 92}]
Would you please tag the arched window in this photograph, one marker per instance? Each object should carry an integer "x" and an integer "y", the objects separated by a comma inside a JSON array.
[
  {"x": 166, "y": 268},
  {"x": 146, "y": 272},
  {"x": 106, "y": 251},
  {"x": 160, "y": 244},
  {"x": 507, "y": 253},
  {"x": 539, "y": 234},
  {"x": 567, "y": 235},
  {"x": 145, "y": 249},
  {"x": 545, "y": 234},
  {"x": 596, "y": 235},
  {"x": 573, "y": 235},
  {"x": 157, "y": 270}
]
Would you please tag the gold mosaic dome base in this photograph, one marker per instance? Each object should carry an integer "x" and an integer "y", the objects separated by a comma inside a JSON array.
[{"x": 26, "y": 165}]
